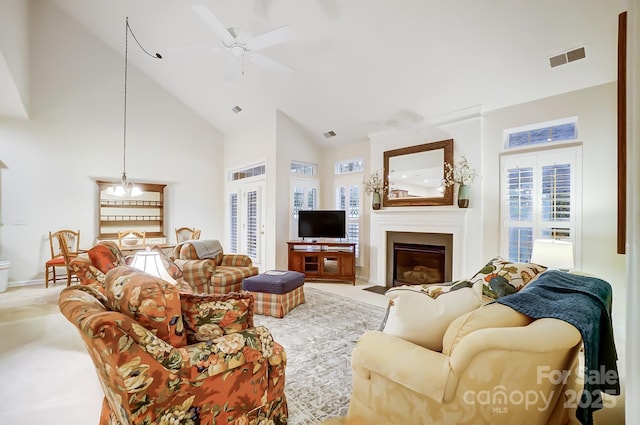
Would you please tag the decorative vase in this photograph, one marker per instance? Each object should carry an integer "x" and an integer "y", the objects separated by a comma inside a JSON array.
[
  {"x": 463, "y": 196},
  {"x": 376, "y": 200}
]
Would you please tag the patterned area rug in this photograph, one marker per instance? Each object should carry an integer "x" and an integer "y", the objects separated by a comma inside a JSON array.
[{"x": 318, "y": 337}]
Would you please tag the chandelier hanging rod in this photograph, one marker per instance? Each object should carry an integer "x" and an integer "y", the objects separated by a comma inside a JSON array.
[{"x": 127, "y": 185}]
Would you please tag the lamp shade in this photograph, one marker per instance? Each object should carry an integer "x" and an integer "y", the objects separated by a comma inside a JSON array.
[
  {"x": 150, "y": 262},
  {"x": 553, "y": 253}
]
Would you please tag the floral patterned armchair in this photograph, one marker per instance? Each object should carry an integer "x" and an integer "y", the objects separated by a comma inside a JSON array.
[
  {"x": 163, "y": 356},
  {"x": 221, "y": 274},
  {"x": 91, "y": 267}
]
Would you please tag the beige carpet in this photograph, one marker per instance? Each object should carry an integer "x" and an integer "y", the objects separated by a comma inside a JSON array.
[{"x": 48, "y": 378}]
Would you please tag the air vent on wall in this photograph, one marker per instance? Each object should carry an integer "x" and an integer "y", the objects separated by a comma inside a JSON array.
[
  {"x": 566, "y": 57},
  {"x": 329, "y": 134},
  {"x": 236, "y": 109}
]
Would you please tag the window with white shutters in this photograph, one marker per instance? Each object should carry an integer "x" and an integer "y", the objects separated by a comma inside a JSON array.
[
  {"x": 233, "y": 215},
  {"x": 304, "y": 196},
  {"x": 540, "y": 199},
  {"x": 252, "y": 224},
  {"x": 348, "y": 199}
]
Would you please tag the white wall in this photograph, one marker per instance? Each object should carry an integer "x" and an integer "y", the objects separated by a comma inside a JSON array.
[
  {"x": 292, "y": 144},
  {"x": 632, "y": 384},
  {"x": 75, "y": 136},
  {"x": 14, "y": 61}
]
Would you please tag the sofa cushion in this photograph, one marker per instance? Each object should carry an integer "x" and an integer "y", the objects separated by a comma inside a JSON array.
[
  {"x": 488, "y": 316},
  {"x": 416, "y": 316},
  {"x": 150, "y": 301},
  {"x": 102, "y": 258},
  {"x": 502, "y": 277}
]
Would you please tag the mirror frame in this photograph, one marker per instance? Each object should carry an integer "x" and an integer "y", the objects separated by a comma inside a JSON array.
[{"x": 446, "y": 199}]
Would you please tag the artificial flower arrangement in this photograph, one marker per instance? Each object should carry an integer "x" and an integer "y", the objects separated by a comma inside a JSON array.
[
  {"x": 374, "y": 183},
  {"x": 460, "y": 173}
]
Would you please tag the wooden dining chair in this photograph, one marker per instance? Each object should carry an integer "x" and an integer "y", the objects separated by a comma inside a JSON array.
[
  {"x": 64, "y": 245},
  {"x": 122, "y": 235},
  {"x": 186, "y": 234}
]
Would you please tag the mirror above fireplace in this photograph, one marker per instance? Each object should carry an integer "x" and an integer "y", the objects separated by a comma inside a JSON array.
[{"x": 414, "y": 175}]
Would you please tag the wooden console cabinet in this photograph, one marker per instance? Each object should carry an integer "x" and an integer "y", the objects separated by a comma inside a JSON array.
[{"x": 324, "y": 260}]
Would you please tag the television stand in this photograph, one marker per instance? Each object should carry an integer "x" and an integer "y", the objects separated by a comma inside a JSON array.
[{"x": 323, "y": 260}]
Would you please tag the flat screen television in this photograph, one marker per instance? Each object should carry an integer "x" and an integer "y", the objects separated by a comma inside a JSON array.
[{"x": 321, "y": 224}]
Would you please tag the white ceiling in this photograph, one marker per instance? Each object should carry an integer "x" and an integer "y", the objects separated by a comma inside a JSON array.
[{"x": 364, "y": 66}]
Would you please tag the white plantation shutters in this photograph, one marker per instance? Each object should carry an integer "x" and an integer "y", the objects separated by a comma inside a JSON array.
[
  {"x": 520, "y": 211},
  {"x": 233, "y": 218},
  {"x": 304, "y": 196},
  {"x": 251, "y": 233},
  {"x": 539, "y": 200},
  {"x": 348, "y": 199}
]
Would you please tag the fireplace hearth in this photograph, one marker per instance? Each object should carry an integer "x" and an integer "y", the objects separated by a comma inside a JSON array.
[{"x": 416, "y": 264}]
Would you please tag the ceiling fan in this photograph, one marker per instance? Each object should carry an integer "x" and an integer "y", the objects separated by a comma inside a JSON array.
[{"x": 241, "y": 45}]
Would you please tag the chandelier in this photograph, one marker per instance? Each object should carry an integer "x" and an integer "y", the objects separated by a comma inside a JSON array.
[{"x": 126, "y": 188}]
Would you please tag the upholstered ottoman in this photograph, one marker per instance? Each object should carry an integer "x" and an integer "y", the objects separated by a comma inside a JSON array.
[{"x": 275, "y": 292}]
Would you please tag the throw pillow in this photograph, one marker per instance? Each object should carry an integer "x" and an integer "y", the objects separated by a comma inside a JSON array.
[
  {"x": 149, "y": 300},
  {"x": 414, "y": 315},
  {"x": 102, "y": 258},
  {"x": 207, "y": 317},
  {"x": 171, "y": 267},
  {"x": 501, "y": 277}
]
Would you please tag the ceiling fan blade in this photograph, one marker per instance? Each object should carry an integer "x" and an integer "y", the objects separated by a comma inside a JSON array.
[
  {"x": 234, "y": 69},
  {"x": 269, "y": 38},
  {"x": 210, "y": 19},
  {"x": 269, "y": 63}
]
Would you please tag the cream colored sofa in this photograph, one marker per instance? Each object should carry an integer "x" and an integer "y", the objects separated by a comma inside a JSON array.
[{"x": 497, "y": 367}]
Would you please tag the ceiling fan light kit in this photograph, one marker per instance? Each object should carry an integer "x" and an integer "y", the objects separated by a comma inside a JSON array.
[{"x": 235, "y": 40}]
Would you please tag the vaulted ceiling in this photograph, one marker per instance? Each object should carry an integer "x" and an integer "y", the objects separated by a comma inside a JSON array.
[{"x": 361, "y": 67}]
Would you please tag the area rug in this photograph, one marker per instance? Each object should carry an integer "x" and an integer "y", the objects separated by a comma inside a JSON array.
[{"x": 318, "y": 337}]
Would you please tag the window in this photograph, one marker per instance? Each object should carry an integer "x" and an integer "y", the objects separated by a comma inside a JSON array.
[
  {"x": 233, "y": 215},
  {"x": 307, "y": 169},
  {"x": 539, "y": 200},
  {"x": 304, "y": 196},
  {"x": 552, "y": 131},
  {"x": 348, "y": 199},
  {"x": 258, "y": 170},
  {"x": 349, "y": 166}
]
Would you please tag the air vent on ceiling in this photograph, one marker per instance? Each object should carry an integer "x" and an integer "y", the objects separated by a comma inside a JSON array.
[
  {"x": 236, "y": 109},
  {"x": 566, "y": 57},
  {"x": 329, "y": 134}
]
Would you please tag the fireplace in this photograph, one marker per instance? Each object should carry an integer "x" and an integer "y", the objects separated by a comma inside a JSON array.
[
  {"x": 415, "y": 264},
  {"x": 414, "y": 258}
]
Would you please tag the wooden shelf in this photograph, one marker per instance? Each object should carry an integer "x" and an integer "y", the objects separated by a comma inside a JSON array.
[{"x": 143, "y": 213}]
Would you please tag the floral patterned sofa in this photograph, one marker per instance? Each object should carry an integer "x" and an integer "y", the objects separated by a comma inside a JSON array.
[
  {"x": 221, "y": 274},
  {"x": 164, "y": 356}
]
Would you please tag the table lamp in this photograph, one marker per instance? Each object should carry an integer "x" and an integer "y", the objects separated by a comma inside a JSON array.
[
  {"x": 150, "y": 262},
  {"x": 553, "y": 253}
]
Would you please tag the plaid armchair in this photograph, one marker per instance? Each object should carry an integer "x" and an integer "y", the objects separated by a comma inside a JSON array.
[
  {"x": 164, "y": 356},
  {"x": 219, "y": 275}
]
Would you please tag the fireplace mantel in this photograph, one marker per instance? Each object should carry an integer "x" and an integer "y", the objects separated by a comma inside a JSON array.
[{"x": 447, "y": 220}]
